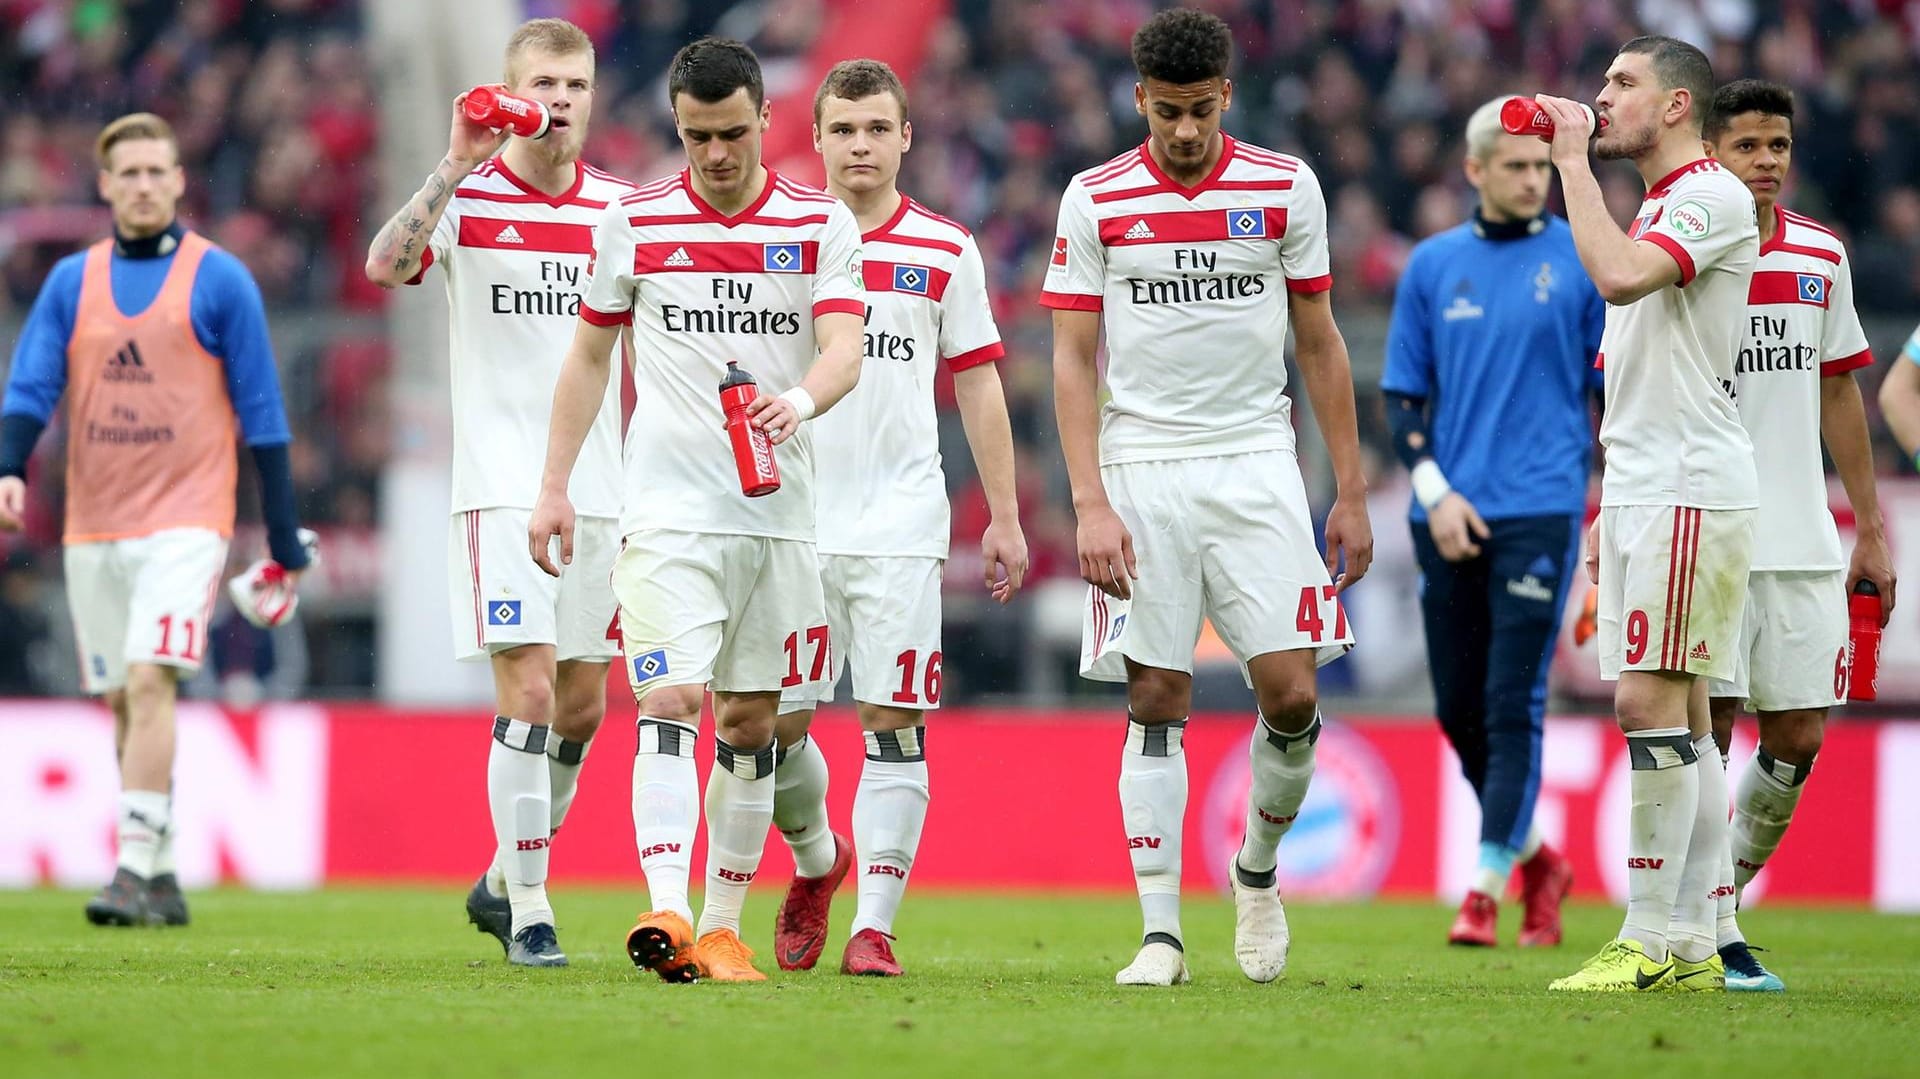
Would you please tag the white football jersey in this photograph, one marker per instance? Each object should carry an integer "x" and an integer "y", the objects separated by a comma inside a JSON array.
[
  {"x": 1801, "y": 327},
  {"x": 1671, "y": 432},
  {"x": 1192, "y": 283},
  {"x": 881, "y": 489},
  {"x": 702, "y": 288},
  {"x": 516, "y": 262}
]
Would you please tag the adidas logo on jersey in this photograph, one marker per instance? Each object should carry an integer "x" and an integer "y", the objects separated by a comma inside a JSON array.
[
  {"x": 127, "y": 365},
  {"x": 1140, "y": 231},
  {"x": 508, "y": 235},
  {"x": 1700, "y": 653},
  {"x": 679, "y": 258}
]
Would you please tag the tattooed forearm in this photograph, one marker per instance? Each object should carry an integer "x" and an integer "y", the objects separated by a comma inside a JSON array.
[{"x": 416, "y": 218}]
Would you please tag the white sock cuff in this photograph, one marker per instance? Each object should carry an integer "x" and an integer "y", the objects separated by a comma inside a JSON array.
[
  {"x": 1291, "y": 743},
  {"x": 1661, "y": 748},
  {"x": 516, "y": 734},
  {"x": 1155, "y": 739},
  {"x": 904, "y": 746},
  {"x": 781, "y": 753},
  {"x": 747, "y": 764},
  {"x": 665, "y": 737},
  {"x": 1780, "y": 772}
]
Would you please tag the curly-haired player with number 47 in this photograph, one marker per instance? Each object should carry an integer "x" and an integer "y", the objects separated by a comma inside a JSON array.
[
  {"x": 1675, "y": 532},
  {"x": 158, "y": 341},
  {"x": 1198, "y": 251}
]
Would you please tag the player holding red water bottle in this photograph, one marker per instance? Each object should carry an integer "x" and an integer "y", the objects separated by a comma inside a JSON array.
[
  {"x": 1795, "y": 389},
  {"x": 513, "y": 234},
  {"x": 1675, "y": 533},
  {"x": 723, "y": 261}
]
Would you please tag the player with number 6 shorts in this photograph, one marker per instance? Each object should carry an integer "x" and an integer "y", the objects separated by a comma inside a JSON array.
[
  {"x": 158, "y": 342},
  {"x": 1795, "y": 388},
  {"x": 1198, "y": 251},
  {"x": 1675, "y": 532},
  {"x": 509, "y": 222},
  {"x": 725, "y": 261},
  {"x": 883, "y": 525}
]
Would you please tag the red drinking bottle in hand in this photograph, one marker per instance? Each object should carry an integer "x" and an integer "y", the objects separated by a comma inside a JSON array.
[
  {"x": 752, "y": 448},
  {"x": 1863, "y": 642},
  {"x": 492, "y": 107},
  {"x": 1524, "y": 116}
]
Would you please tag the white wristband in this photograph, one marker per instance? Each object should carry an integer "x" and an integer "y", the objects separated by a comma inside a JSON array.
[
  {"x": 802, "y": 402},
  {"x": 1429, "y": 484}
]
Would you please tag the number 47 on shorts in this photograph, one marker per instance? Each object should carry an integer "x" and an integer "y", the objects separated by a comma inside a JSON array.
[{"x": 1314, "y": 599}]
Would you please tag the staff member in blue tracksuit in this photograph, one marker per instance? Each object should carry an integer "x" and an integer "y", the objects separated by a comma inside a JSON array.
[{"x": 1490, "y": 360}]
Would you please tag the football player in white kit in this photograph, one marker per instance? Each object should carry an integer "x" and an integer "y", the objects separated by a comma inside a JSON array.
[
  {"x": 1671, "y": 547},
  {"x": 513, "y": 234},
  {"x": 724, "y": 261},
  {"x": 1795, "y": 389},
  {"x": 883, "y": 523},
  {"x": 1197, "y": 251}
]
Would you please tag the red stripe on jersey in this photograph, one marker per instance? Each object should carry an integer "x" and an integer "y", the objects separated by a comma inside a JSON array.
[
  {"x": 1785, "y": 286},
  {"x": 931, "y": 216},
  {"x": 654, "y": 190},
  {"x": 604, "y": 318},
  {"x": 1800, "y": 249},
  {"x": 1069, "y": 301},
  {"x": 1113, "y": 168},
  {"x": 426, "y": 262},
  {"x": 1221, "y": 185},
  {"x": 508, "y": 234},
  {"x": 1675, "y": 545},
  {"x": 978, "y": 356},
  {"x": 1696, "y": 518},
  {"x": 703, "y": 219},
  {"x": 1309, "y": 285},
  {"x": 726, "y": 257},
  {"x": 843, "y": 306},
  {"x": 1673, "y": 247},
  {"x": 1804, "y": 220},
  {"x": 522, "y": 197},
  {"x": 1194, "y": 226},
  {"x": 927, "y": 242},
  {"x": 906, "y": 278},
  {"x": 1599, "y": 361},
  {"x": 1843, "y": 364}
]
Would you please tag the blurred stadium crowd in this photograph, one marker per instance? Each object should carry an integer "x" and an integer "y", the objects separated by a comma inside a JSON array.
[{"x": 274, "y": 103}]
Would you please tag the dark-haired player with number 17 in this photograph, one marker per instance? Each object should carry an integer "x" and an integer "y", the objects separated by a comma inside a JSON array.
[
  {"x": 1794, "y": 386},
  {"x": 883, "y": 523},
  {"x": 1677, "y": 498},
  {"x": 723, "y": 261},
  {"x": 1198, "y": 250}
]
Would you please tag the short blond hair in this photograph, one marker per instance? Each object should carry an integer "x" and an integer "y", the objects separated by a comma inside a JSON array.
[
  {"x": 557, "y": 37},
  {"x": 131, "y": 127}
]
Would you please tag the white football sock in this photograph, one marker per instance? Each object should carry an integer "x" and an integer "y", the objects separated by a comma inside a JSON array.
[
  {"x": 1726, "y": 923},
  {"x": 1665, "y": 787},
  {"x": 163, "y": 853},
  {"x": 1282, "y": 770},
  {"x": 739, "y": 811},
  {"x": 1763, "y": 805},
  {"x": 564, "y": 760},
  {"x": 144, "y": 818},
  {"x": 1153, "y": 806},
  {"x": 666, "y": 810},
  {"x": 521, "y": 805},
  {"x": 1531, "y": 845},
  {"x": 800, "y": 807},
  {"x": 1691, "y": 931},
  {"x": 889, "y": 810}
]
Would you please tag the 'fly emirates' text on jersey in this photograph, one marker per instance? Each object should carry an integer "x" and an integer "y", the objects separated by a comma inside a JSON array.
[
  {"x": 1671, "y": 432},
  {"x": 1192, "y": 283},
  {"x": 881, "y": 491},
  {"x": 516, "y": 262},
  {"x": 701, "y": 289},
  {"x": 1800, "y": 328}
]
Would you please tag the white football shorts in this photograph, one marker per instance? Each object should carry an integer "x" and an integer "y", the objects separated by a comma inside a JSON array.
[
  {"x": 146, "y": 599},
  {"x": 1793, "y": 653},
  {"x": 499, "y": 599},
  {"x": 884, "y": 613},
  {"x": 1673, "y": 584}
]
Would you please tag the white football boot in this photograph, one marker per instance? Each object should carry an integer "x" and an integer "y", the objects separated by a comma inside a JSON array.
[
  {"x": 1158, "y": 963},
  {"x": 1260, "y": 936}
]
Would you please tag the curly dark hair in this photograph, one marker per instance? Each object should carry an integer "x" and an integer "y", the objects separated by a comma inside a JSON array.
[
  {"x": 712, "y": 68},
  {"x": 1182, "y": 46},
  {"x": 1746, "y": 95}
]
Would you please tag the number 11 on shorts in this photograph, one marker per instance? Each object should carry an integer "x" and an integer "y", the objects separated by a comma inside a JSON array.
[{"x": 1308, "y": 619}]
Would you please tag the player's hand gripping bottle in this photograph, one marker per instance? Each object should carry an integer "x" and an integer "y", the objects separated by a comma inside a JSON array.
[
  {"x": 752, "y": 449},
  {"x": 1524, "y": 116},
  {"x": 1863, "y": 642},
  {"x": 492, "y": 107}
]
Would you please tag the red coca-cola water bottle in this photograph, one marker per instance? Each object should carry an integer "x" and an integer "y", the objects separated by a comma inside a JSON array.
[
  {"x": 1524, "y": 116},
  {"x": 752, "y": 448},
  {"x": 1863, "y": 642},
  {"x": 490, "y": 106}
]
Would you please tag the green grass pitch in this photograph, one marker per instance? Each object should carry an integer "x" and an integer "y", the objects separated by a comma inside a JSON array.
[{"x": 392, "y": 983}]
